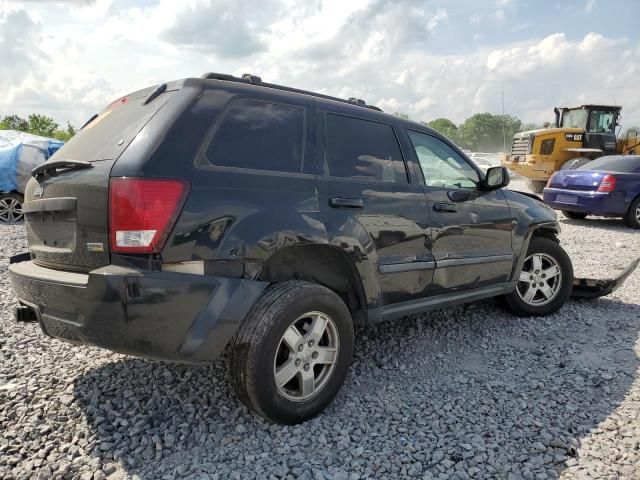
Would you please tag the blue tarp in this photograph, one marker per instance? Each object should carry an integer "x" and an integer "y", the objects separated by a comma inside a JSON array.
[{"x": 19, "y": 153}]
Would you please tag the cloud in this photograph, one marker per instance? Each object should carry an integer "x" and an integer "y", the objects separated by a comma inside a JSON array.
[
  {"x": 378, "y": 30},
  {"x": 382, "y": 51},
  {"x": 588, "y": 7},
  {"x": 536, "y": 75},
  {"x": 19, "y": 40},
  {"x": 38, "y": 79},
  {"x": 228, "y": 29}
]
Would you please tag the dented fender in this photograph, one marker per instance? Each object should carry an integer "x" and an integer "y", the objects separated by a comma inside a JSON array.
[{"x": 595, "y": 288}]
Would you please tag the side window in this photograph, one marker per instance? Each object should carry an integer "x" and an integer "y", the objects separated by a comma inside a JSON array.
[
  {"x": 601, "y": 122},
  {"x": 362, "y": 149},
  {"x": 259, "y": 135},
  {"x": 441, "y": 165}
]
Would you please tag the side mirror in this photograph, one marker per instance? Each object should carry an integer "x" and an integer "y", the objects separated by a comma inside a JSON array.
[{"x": 496, "y": 177}]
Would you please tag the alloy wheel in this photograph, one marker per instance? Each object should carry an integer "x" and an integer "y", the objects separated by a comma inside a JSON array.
[
  {"x": 540, "y": 279},
  {"x": 306, "y": 356},
  {"x": 10, "y": 210}
]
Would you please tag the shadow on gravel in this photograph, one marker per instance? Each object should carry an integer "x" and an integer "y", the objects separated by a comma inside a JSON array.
[
  {"x": 607, "y": 223},
  {"x": 468, "y": 389}
]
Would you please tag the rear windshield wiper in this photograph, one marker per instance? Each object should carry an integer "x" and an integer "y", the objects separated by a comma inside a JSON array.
[
  {"x": 53, "y": 166},
  {"x": 160, "y": 89},
  {"x": 93, "y": 117}
]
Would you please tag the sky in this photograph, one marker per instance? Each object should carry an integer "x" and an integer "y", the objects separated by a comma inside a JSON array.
[{"x": 428, "y": 59}]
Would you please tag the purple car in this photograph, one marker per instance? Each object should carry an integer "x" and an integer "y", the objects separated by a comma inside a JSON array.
[{"x": 608, "y": 186}]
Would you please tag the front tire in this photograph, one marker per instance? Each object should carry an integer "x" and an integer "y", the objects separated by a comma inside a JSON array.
[
  {"x": 574, "y": 215},
  {"x": 545, "y": 282},
  {"x": 292, "y": 353},
  {"x": 632, "y": 218}
]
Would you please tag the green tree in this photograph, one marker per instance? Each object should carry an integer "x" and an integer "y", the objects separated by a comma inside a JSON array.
[
  {"x": 38, "y": 125},
  {"x": 485, "y": 132},
  {"x": 14, "y": 122},
  {"x": 65, "y": 135},
  {"x": 42, "y": 125},
  {"x": 446, "y": 127}
]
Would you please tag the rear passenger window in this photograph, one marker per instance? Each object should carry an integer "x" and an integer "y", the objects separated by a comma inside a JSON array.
[
  {"x": 362, "y": 149},
  {"x": 259, "y": 135}
]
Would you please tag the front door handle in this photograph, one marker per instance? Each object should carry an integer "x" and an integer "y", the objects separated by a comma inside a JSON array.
[
  {"x": 346, "y": 202},
  {"x": 445, "y": 207}
]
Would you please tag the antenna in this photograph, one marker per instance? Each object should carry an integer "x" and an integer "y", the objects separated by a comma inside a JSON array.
[{"x": 504, "y": 132}]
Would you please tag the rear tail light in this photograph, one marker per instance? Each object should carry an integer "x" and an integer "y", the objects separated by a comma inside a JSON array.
[
  {"x": 550, "y": 181},
  {"x": 608, "y": 183},
  {"x": 142, "y": 212}
]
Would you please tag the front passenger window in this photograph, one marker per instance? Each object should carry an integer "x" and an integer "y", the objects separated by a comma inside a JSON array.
[{"x": 441, "y": 165}]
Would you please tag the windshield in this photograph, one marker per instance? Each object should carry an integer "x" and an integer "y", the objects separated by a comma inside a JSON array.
[
  {"x": 618, "y": 163},
  {"x": 601, "y": 121},
  {"x": 576, "y": 118},
  {"x": 107, "y": 135}
]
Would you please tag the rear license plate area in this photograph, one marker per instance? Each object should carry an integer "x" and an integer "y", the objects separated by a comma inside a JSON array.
[
  {"x": 51, "y": 231},
  {"x": 561, "y": 198}
]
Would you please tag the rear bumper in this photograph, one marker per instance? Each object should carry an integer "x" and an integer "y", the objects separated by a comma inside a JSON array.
[
  {"x": 603, "y": 203},
  {"x": 594, "y": 288},
  {"x": 162, "y": 315}
]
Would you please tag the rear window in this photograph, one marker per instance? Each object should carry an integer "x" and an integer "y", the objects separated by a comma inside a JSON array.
[
  {"x": 111, "y": 132},
  {"x": 259, "y": 135},
  {"x": 363, "y": 149},
  {"x": 621, "y": 164}
]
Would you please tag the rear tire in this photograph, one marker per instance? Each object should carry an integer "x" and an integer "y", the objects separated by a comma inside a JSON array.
[
  {"x": 545, "y": 282},
  {"x": 574, "y": 215},
  {"x": 11, "y": 208},
  {"x": 537, "y": 185},
  {"x": 292, "y": 352},
  {"x": 632, "y": 218}
]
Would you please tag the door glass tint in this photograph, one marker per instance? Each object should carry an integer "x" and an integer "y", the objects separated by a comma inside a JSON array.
[
  {"x": 362, "y": 149},
  {"x": 601, "y": 121},
  {"x": 576, "y": 118},
  {"x": 259, "y": 135},
  {"x": 441, "y": 165}
]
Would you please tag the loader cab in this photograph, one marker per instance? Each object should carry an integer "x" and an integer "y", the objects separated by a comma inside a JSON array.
[{"x": 598, "y": 121}]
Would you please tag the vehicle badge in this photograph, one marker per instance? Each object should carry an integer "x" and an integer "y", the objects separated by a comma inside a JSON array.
[
  {"x": 95, "y": 247},
  {"x": 38, "y": 191}
]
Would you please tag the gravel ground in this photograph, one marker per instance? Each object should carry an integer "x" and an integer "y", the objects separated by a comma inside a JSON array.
[{"x": 468, "y": 392}]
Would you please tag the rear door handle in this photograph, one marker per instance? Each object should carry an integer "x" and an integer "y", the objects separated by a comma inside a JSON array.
[
  {"x": 345, "y": 202},
  {"x": 445, "y": 207}
]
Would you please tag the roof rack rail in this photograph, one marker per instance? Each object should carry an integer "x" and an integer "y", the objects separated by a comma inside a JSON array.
[{"x": 255, "y": 80}]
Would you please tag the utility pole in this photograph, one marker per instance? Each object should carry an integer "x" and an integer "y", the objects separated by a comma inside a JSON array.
[{"x": 504, "y": 131}]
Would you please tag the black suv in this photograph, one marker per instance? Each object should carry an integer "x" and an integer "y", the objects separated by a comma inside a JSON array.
[{"x": 225, "y": 213}]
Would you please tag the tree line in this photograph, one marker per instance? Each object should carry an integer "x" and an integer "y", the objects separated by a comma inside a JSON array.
[
  {"x": 38, "y": 125},
  {"x": 482, "y": 132},
  {"x": 486, "y": 132}
]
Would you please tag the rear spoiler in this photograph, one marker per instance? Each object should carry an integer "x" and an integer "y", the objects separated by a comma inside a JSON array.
[{"x": 593, "y": 288}]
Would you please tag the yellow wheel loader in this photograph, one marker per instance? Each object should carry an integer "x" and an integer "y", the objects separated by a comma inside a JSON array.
[{"x": 580, "y": 135}]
